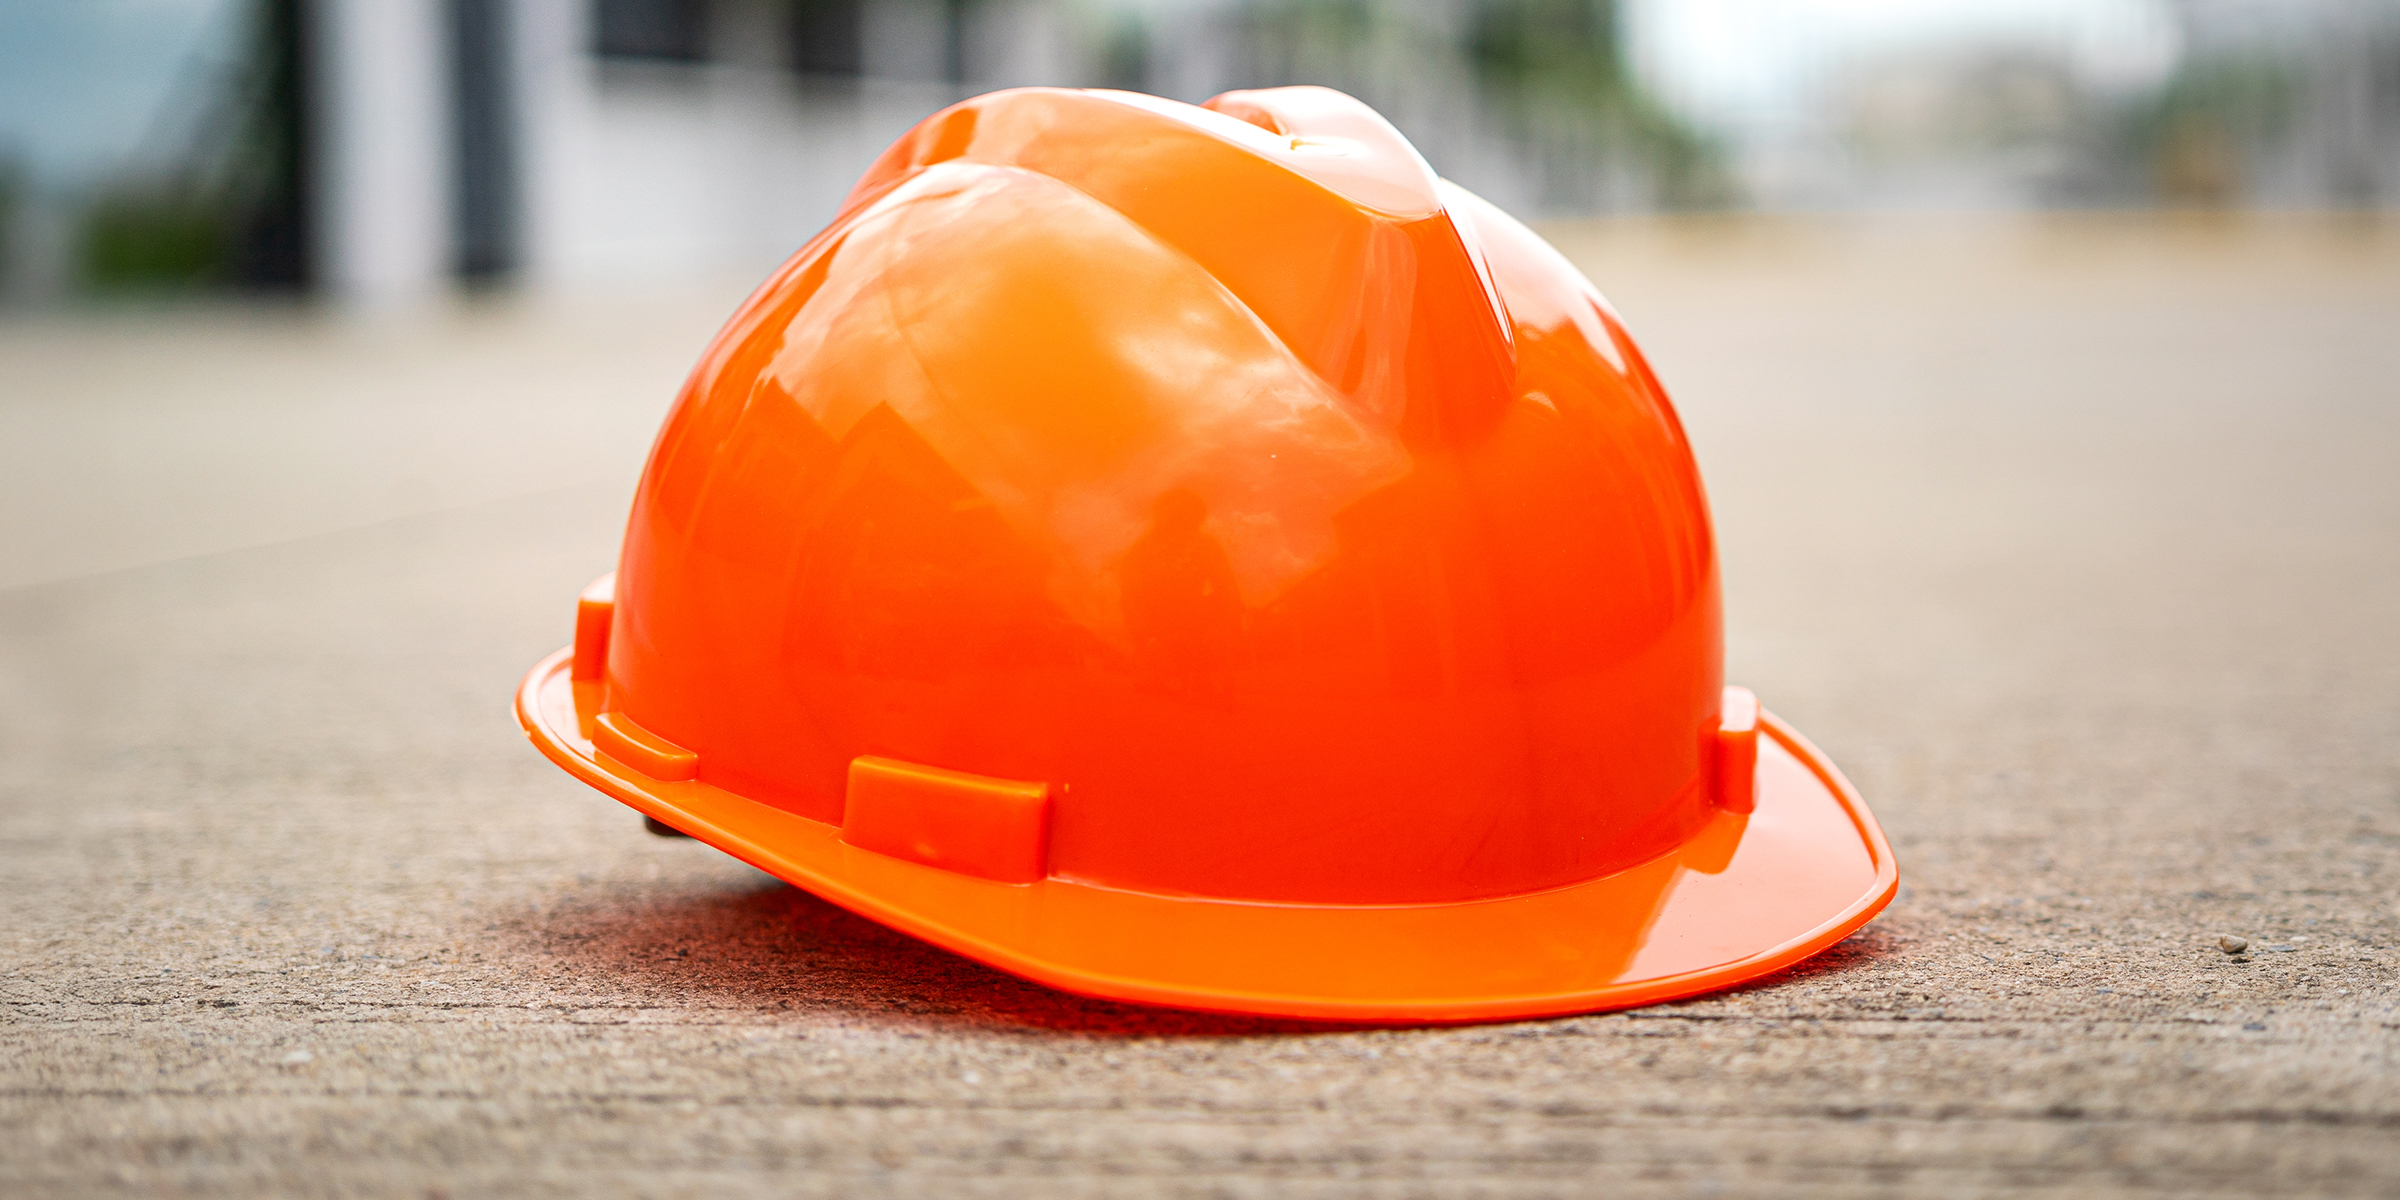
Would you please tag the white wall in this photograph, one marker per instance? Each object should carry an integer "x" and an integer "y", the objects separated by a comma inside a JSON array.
[
  {"x": 384, "y": 149},
  {"x": 641, "y": 172}
]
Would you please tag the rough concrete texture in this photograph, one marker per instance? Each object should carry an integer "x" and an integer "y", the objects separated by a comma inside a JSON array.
[{"x": 2076, "y": 542}]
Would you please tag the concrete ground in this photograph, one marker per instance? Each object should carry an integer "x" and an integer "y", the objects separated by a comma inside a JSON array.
[{"x": 2075, "y": 541}]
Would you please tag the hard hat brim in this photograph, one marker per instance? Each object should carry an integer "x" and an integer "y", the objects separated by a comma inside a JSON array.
[{"x": 1749, "y": 895}]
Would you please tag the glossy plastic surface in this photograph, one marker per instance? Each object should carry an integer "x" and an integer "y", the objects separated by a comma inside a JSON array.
[
  {"x": 974, "y": 824},
  {"x": 1750, "y": 894},
  {"x": 1306, "y": 529}
]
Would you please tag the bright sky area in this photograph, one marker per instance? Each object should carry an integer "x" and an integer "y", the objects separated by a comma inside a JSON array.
[{"x": 1728, "y": 61}]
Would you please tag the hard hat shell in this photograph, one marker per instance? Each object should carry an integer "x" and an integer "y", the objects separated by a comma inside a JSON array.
[{"x": 1193, "y": 555}]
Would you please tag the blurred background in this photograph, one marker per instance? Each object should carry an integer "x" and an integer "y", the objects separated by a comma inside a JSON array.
[
  {"x": 271, "y": 269},
  {"x": 2040, "y": 357},
  {"x": 379, "y": 151}
]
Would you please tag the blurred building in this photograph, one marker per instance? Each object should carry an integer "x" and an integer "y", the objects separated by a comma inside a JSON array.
[
  {"x": 382, "y": 151},
  {"x": 568, "y": 141},
  {"x": 565, "y": 141},
  {"x": 2264, "y": 103},
  {"x": 2293, "y": 103}
]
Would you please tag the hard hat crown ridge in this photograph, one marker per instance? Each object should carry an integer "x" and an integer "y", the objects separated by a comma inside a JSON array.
[
  {"x": 1128, "y": 504},
  {"x": 1339, "y": 243}
]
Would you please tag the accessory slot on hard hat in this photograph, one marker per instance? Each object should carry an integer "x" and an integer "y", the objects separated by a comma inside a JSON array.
[
  {"x": 620, "y": 738},
  {"x": 1737, "y": 751},
  {"x": 972, "y": 824},
  {"x": 595, "y": 611}
]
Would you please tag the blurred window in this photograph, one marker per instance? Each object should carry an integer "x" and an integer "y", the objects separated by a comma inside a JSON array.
[
  {"x": 676, "y": 30},
  {"x": 827, "y": 38}
]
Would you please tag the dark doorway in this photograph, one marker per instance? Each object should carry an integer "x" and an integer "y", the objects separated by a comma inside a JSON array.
[
  {"x": 675, "y": 30},
  {"x": 272, "y": 245},
  {"x": 483, "y": 200},
  {"x": 828, "y": 37}
]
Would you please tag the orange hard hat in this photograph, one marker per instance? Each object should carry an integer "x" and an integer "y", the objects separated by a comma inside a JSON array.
[{"x": 1193, "y": 555}]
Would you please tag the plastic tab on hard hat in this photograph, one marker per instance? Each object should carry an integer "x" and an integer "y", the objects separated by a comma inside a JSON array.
[
  {"x": 1737, "y": 751},
  {"x": 972, "y": 824},
  {"x": 595, "y": 609},
  {"x": 618, "y": 737}
]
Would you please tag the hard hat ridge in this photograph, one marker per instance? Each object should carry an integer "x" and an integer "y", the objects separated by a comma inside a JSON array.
[{"x": 1341, "y": 244}]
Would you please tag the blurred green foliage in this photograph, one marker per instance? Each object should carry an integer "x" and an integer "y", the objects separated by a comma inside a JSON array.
[
  {"x": 1125, "y": 52},
  {"x": 1564, "y": 45},
  {"x": 1550, "y": 74},
  {"x": 149, "y": 239},
  {"x": 2197, "y": 134},
  {"x": 219, "y": 195},
  {"x": 1336, "y": 43},
  {"x": 1557, "y": 69},
  {"x": 12, "y": 201}
]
